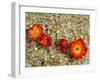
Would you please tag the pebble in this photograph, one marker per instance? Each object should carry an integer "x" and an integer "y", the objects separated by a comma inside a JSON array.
[
  {"x": 57, "y": 31},
  {"x": 35, "y": 48}
]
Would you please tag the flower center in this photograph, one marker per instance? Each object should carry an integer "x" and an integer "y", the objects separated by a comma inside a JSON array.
[
  {"x": 77, "y": 49},
  {"x": 36, "y": 30}
]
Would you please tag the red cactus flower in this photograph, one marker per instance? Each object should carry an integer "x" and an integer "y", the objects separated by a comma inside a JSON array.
[
  {"x": 63, "y": 49},
  {"x": 35, "y": 31},
  {"x": 45, "y": 40},
  {"x": 63, "y": 45},
  {"x": 78, "y": 48}
]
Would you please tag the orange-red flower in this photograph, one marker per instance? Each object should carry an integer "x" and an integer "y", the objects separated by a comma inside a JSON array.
[
  {"x": 45, "y": 40},
  {"x": 35, "y": 31},
  {"x": 78, "y": 48}
]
